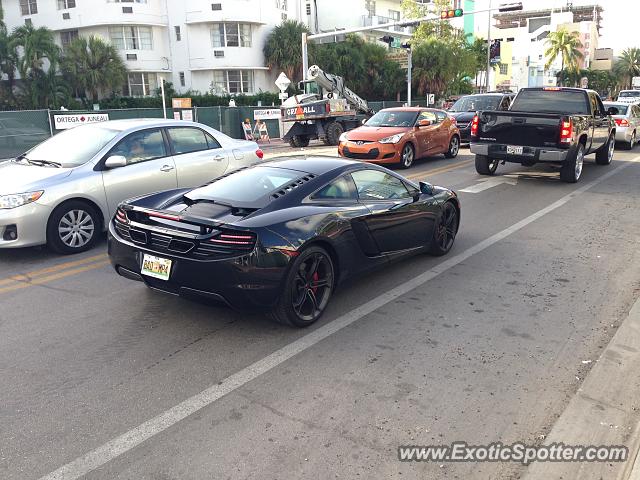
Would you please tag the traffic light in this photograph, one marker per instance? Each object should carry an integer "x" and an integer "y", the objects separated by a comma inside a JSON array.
[{"x": 452, "y": 13}]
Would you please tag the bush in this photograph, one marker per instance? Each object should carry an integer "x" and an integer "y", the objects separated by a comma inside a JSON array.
[{"x": 197, "y": 99}]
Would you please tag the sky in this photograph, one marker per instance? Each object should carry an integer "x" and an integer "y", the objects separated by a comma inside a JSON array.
[{"x": 621, "y": 19}]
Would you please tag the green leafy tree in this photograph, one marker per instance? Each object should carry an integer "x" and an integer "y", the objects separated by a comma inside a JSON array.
[
  {"x": 566, "y": 45},
  {"x": 439, "y": 28},
  {"x": 436, "y": 66},
  {"x": 283, "y": 48},
  {"x": 93, "y": 65},
  {"x": 628, "y": 66}
]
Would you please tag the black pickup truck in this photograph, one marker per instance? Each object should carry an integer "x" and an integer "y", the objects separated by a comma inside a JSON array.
[{"x": 552, "y": 125}]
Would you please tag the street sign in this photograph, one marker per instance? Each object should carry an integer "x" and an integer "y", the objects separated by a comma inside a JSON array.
[
  {"x": 584, "y": 82},
  {"x": 283, "y": 82},
  {"x": 399, "y": 56},
  {"x": 181, "y": 102},
  {"x": 431, "y": 99},
  {"x": 283, "y": 95},
  {"x": 63, "y": 122}
]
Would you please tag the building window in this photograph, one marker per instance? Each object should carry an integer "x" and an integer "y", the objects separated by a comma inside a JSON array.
[
  {"x": 231, "y": 35},
  {"x": 67, "y": 37},
  {"x": 370, "y": 5},
  {"x": 131, "y": 37},
  {"x": 178, "y": 34},
  {"x": 281, "y": 4},
  {"x": 233, "y": 81},
  {"x": 308, "y": 9},
  {"x": 64, "y": 4},
  {"x": 127, "y": 1},
  {"x": 394, "y": 15},
  {"x": 283, "y": 16},
  {"x": 28, "y": 7},
  {"x": 141, "y": 84},
  {"x": 504, "y": 69},
  {"x": 182, "y": 81}
]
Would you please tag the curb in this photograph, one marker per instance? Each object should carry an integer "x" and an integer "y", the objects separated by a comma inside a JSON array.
[{"x": 603, "y": 411}]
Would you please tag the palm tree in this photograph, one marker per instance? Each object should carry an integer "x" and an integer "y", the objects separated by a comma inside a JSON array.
[
  {"x": 8, "y": 57},
  {"x": 93, "y": 65},
  {"x": 37, "y": 45},
  {"x": 283, "y": 48},
  {"x": 628, "y": 65},
  {"x": 566, "y": 45}
]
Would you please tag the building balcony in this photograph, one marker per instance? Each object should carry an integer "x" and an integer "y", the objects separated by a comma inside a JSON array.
[
  {"x": 107, "y": 14},
  {"x": 246, "y": 11},
  {"x": 379, "y": 20}
]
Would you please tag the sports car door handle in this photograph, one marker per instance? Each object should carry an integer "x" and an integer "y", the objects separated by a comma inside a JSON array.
[
  {"x": 218, "y": 158},
  {"x": 166, "y": 168}
]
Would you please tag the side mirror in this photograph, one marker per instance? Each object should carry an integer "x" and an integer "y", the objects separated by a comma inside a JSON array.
[
  {"x": 115, "y": 161},
  {"x": 364, "y": 121},
  {"x": 613, "y": 111},
  {"x": 426, "y": 188},
  {"x": 424, "y": 123}
]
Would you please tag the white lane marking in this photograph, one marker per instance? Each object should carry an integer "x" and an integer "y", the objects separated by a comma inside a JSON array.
[
  {"x": 490, "y": 183},
  {"x": 134, "y": 437}
]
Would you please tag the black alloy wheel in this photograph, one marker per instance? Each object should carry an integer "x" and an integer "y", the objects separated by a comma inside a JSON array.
[{"x": 445, "y": 231}]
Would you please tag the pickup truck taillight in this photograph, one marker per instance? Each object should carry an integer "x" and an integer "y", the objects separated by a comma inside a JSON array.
[
  {"x": 474, "y": 126},
  {"x": 566, "y": 132},
  {"x": 622, "y": 122}
]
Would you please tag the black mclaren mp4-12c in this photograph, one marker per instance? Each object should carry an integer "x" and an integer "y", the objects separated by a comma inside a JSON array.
[{"x": 279, "y": 236}]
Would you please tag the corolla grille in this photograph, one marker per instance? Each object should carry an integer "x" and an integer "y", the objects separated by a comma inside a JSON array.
[{"x": 293, "y": 185}]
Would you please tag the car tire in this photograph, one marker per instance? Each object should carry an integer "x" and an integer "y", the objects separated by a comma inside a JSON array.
[
  {"x": 632, "y": 142},
  {"x": 571, "y": 169},
  {"x": 454, "y": 147},
  {"x": 299, "y": 141},
  {"x": 73, "y": 227},
  {"x": 333, "y": 132},
  {"x": 407, "y": 155},
  {"x": 301, "y": 303},
  {"x": 485, "y": 165},
  {"x": 445, "y": 231},
  {"x": 604, "y": 155}
]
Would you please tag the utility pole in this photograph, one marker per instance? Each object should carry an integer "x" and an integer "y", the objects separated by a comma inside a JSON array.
[
  {"x": 409, "y": 67},
  {"x": 488, "y": 48}
]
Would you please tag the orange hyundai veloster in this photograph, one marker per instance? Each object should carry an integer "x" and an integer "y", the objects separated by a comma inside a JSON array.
[{"x": 400, "y": 135}]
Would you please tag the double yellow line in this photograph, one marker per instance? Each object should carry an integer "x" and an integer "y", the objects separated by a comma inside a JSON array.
[
  {"x": 436, "y": 171},
  {"x": 49, "y": 274}
]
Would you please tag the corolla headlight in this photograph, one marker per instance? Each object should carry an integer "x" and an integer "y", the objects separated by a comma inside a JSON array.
[
  {"x": 343, "y": 137},
  {"x": 18, "y": 199},
  {"x": 392, "y": 139}
]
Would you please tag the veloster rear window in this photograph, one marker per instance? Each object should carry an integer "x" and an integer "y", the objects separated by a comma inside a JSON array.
[{"x": 551, "y": 101}]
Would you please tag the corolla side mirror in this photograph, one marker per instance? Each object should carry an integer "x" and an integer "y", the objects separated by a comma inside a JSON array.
[
  {"x": 613, "y": 111},
  {"x": 426, "y": 188},
  {"x": 115, "y": 161}
]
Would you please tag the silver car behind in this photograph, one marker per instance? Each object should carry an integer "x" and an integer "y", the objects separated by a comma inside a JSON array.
[{"x": 627, "y": 123}]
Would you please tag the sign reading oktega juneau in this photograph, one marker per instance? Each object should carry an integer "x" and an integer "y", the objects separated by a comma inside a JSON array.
[{"x": 63, "y": 122}]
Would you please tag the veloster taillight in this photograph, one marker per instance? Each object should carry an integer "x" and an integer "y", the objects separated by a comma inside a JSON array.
[
  {"x": 622, "y": 122},
  {"x": 474, "y": 126},
  {"x": 566, "y": 131},
  {"x": 259, "y": 154}
]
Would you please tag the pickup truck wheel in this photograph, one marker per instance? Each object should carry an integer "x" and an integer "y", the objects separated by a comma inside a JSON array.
[
  {"x": 454, "y": 147},
  {"x": 605, "y": 154},
  {"x": 334, "y": 130},
  {"x": 572, "y": 169},
  {"x": 486, "y": 166}
]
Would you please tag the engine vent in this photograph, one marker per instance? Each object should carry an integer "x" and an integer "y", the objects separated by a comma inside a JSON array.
[{"x": 293, "y": 185}]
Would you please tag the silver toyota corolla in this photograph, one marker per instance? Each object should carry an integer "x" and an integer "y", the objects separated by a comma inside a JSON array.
[
  {"x": 63, "y": 191},
  {"x": 627, "y": 123}
]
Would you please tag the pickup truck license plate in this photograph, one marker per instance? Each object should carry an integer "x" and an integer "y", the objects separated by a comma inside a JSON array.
[
  {"x": 156, "y": 267},
  {"x": 511, "y": 150}
]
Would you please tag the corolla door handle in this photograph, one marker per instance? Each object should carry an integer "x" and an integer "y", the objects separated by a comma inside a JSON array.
[
  {"x": 218, "y": 158},
  {"x": 166, "y": 168}
]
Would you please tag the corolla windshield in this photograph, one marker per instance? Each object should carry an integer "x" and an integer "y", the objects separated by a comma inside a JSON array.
[
  {"x": 473, "y": 104},
  {"x": 71, "y": 148},
  {"x": 393, "y": 119}
]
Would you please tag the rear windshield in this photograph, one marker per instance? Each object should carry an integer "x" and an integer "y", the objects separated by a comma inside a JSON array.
[
  {"x": 551, "y": 101},
  {"x": 622, "y": 108},
  {"x": 630, "y": 94},
  {"x": 246, "y": 186},
  {"x": 474, "y": 103}
]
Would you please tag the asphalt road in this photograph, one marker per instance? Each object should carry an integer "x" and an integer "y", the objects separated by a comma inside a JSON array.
[{"x": 484, "y": 345}]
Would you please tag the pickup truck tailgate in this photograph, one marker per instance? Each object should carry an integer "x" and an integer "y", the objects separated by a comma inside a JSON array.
[{"x": 518, "y": 128}]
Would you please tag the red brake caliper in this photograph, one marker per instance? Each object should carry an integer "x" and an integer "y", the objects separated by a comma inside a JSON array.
[{"x": 315, "y": 277}]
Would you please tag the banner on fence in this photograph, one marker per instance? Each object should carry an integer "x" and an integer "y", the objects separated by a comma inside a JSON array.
[
  {"x": 63, "y": 122},
  {"x": 267, "y": 114}
]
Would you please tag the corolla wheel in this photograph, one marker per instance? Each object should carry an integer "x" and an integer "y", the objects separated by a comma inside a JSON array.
[
  {"x": 407, "y": 155},
  {"x": 308, "y": 289},
  {"x": 73, "y": 228},
  {"x": 632, "y": 142},
  {"x": 446, "y": 230}
]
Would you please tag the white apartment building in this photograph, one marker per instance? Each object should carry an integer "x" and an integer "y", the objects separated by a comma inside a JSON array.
[{"x": 199, "y": 45}]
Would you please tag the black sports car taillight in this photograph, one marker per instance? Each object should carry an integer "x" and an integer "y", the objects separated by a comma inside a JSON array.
[
  {"x": 234, "y": 240},
  {"x": 121, "y": 216}
]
